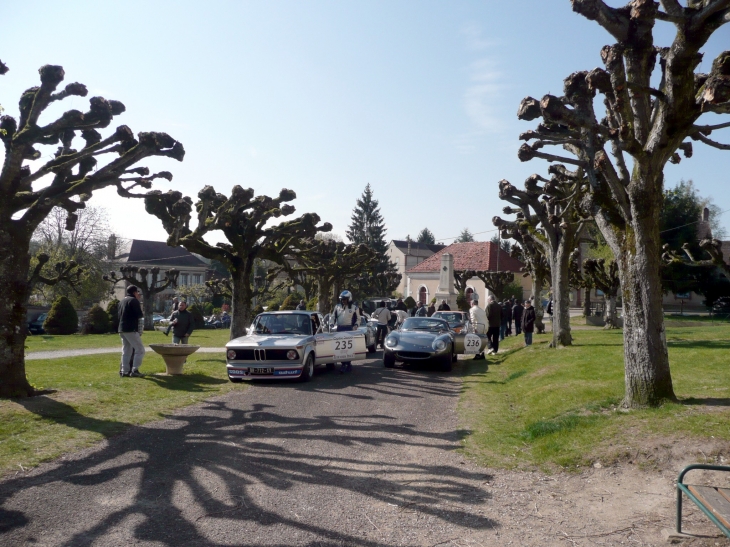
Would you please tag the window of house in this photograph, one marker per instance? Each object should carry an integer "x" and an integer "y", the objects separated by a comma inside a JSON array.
[
  {"x": 183, "y": 279},
  {"x": 423, "y": 295},
  {"x": 196, "y": 279}
]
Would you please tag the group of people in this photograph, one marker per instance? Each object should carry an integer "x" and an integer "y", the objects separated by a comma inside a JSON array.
[
  {"x": 131, "y": 327},
  {"x": 496, "y": 321}
]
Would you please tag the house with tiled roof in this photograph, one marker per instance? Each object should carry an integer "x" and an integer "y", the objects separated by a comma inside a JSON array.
[
  {"x": 406, "y": 254},
  {"x": 422, "y": 280}
]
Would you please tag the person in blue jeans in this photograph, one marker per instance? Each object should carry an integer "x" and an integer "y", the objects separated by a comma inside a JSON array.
[{"x": 528, "y": 322}]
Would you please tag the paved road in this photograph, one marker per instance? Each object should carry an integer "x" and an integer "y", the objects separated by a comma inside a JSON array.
[{"x": 363, "y": 459}]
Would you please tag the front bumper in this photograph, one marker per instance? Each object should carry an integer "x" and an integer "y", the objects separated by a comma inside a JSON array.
[
  {"x": 264, "y": 370},
  {"x": 414, "y": 354}
]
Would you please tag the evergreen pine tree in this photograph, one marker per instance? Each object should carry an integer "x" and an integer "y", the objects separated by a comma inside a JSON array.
[
  {"x": 426, "y": 236},
  {"x": 465, "y": 236}
]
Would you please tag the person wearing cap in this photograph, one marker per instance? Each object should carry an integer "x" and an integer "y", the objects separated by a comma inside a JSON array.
[{"x": 131, "y": 326}]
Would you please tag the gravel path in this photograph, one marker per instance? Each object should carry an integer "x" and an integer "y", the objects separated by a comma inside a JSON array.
[
  {"x": 60, "y": 353},
  {"x": 366, "y": 459}
]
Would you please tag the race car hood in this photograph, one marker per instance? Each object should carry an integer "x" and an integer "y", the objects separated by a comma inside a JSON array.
[{"x": 267, "y": 340}]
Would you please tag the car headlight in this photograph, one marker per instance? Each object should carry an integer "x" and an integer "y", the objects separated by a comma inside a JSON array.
[
  {"x": 291, "y": 355},
  {"x": 231, "y": 354},
  {"x": 439, "y": 345},
  {"x": 391, "y": 341}
]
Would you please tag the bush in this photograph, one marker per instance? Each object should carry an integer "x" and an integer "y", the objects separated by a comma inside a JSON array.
[
  {"x": 258, "y": 309},
  {"x": 216, "y": 311},
  {"x": 208, "y": 309},
  {"x": 312, "y": 304},
  {"x": 197, "y": 316},
  {"x": 96, "y": 321},
  {"x": 62, "y": 318},
  {"x": 290, "y": 303},
  {"x": 273, "y": 307},
  {"x": 409, "y": 302},
  {"x": 514, "y": 289},
  {"x": 462, "y": 302},
  {"x": 113, "y": 310}
]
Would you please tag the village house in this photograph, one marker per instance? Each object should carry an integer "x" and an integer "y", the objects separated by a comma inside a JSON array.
[{"x": 406, "y": 254}]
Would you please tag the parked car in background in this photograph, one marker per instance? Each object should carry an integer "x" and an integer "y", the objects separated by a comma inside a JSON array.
[
  {"x": 370, "y": 330},
  {"x": 457, "y": 320},
  {"x": 36, "y": 326},
  {"x": 722, "y": 306},
  {"x": 157, "y": 318}
]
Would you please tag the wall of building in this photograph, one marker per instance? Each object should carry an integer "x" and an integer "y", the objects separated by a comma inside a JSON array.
[{"x": 430, "y": 282}]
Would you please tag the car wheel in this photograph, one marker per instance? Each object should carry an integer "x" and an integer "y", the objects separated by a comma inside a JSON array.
[
  {"x": 389, "y": 360},
  {"x": 308, "y": 370},
  {"x": 446, "y": 363}
]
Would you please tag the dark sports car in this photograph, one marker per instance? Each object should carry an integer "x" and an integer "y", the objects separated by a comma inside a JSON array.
[{"x": 421, "y": 339}]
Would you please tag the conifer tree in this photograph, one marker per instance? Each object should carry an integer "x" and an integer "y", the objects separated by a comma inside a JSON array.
[
  {"x": 465, "y": 236},
  {"x": 426, "y": 236}
]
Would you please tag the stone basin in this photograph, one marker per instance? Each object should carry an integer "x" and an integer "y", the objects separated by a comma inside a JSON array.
[{"x": 174, "y": 355}]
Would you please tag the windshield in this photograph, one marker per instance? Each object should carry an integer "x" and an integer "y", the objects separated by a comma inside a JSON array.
[
  {"x": 283, "y": 323},
  {"x": 425, "y": 323},
  {"x": 451, "y": 317}
]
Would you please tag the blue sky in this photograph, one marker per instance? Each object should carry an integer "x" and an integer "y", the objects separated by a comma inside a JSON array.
[{"x": 419, "y": 99}]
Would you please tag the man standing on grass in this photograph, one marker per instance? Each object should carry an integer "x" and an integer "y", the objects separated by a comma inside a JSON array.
[
  {"x": 528, "y": 322},
  {"x": 494, "y": 320},
  {"x": 131, "y": 325},
  {"x": 182, "y": 323}
]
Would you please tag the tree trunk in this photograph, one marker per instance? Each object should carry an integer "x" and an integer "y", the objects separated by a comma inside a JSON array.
[
  {"x": 647, "y": 377},
  {"x": 561, "y": 295},
  {"x": 148, "y": 309},
  {"x": 324, "y": 296},
  {"x": 241, "y": 301},
  {"x": 587, "y": 303},
  {"x": 14, "y": 266},
  {"x": 537, "y": 285},
  {"x": 611, "y": 315}
]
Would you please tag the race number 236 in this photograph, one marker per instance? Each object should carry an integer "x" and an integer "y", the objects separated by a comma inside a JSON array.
[{"x": 472, "y": 344}]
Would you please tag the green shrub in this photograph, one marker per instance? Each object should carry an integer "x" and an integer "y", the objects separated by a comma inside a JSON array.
[
  {"x": 514, "y": 289},
  {"x": 96, "y": 321},
  {"x": 113, "y": 310},
  {"x": 312, "y": 304},
  {"x": 409, "y": 302},
  {"x": 290, "y": 303},
  {"x": 62, "y": 318},
  {"x": 258, "y": 309},
  {"x": 462, "y": 302},
  {"x": 273, "y": 307},
  {"x": 208, "y": 309},
  {"x": 197, "y": 316},
  {"x": 216, "y": 311}
]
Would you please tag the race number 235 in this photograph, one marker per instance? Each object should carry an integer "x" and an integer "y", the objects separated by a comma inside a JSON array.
[{"x": 343, "y": 345}]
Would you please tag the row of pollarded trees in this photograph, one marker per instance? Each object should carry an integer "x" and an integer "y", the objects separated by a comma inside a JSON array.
[
  {"x": 613, "y": 168},
  {"x": 84, "y": 161}
]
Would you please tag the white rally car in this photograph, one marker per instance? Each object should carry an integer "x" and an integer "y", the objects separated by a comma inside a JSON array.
[{"x": 289, "y": 344}]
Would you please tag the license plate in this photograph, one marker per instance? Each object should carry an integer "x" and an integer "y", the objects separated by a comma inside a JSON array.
[{"x": 262, "y": 370}]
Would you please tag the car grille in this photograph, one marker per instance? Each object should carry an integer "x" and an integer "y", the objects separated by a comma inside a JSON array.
[
  {"x": 262, "y": 355},
  {"x": 414, "y": 354}
]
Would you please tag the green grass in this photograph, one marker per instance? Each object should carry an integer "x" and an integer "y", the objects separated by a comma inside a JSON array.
[
  {"x": 537, "y": 407},
  {"x": 46, "y": 342},
  {"x": 88, "y": 402}
]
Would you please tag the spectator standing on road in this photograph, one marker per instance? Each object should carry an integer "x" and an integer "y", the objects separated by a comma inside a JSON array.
[
  {"x": 382, "y": 314},
  {"x": 478, "y": 318},
  {"x": 517, "y": 310},
  {"x": 400, "y": 305},
  {"x": 302, "y": 305},
  {"x": 346, "y": 318},
  {"x": 444, "y": 306},
  {"x": 131, "y": 324},
  {"x": 401, "y": 317},
  {"x": 528, "y": 322},
  {"x": 182, "y": 324},
  {"x": 494, "y": 321},
  {"x": 431, "y": 309},
  {"x": 421, "y": 311}
]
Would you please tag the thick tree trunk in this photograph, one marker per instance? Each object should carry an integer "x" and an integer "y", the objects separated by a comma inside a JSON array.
[
  {"x": 587, "y": 302},
  {"x": 242, "y": 301},
  {"x": 611, "y": 314},
  {"x": 14, "y": 266},
  {"x": 537, "y": 284},
  {"x": 647, "y": 377},
  {"x": 324, "y": 296},
  {"x": 148, "y": 309},
  {"x": 561, "y": 295}
]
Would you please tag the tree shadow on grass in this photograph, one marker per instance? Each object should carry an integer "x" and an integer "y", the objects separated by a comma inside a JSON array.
[
  {"x": 238, "y": 469},
  {"x": 194, "y": 383},
  {"x": 706, "y": 401},
  {"x": 699, "y": 344}
]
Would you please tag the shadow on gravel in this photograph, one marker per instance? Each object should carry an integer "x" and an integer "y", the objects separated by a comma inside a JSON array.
[{"x": 182, "y": 481}]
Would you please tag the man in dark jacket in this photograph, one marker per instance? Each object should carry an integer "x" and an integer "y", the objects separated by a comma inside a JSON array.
[
  {"x": 528, "y": 322},
  {"x": 517, "y": 310},
  {"x": 131, "y": 325},
  {"x": 504, "y": 329},
  {"x": 494, "y": 321},
  {"x": 182, "y": 323},
  {"x": 444, "y": 306},
  {"x": 302, "y": 305},
  {"x": 400, "y": 305},
  {"x": 431, "y": 309}
]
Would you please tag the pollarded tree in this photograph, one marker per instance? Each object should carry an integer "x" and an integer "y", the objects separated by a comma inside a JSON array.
[
  {"x": 649, "y": 124},
  {"x": 244, "y": 220},
  {"x": 580, "y": 281},
  {"x": 149, "y": 283},
  {"x": 334, "y": 265},
  {"x": 604, "y": 276},
  {"x": 713, "y": 247},
  {"x": 496, "y": 282},
  {"x": 31, "y": 190},
  {"x": 549, "y": 213}
]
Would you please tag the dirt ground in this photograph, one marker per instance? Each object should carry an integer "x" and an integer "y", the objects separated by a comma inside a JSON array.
[{"x": 366, "y": 459}]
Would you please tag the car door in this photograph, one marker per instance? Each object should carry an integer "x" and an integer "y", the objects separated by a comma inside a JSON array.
[{"x": 336, "y": 347}]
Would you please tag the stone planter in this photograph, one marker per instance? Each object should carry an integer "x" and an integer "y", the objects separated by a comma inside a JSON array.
[{"x": 174, "y": 355}]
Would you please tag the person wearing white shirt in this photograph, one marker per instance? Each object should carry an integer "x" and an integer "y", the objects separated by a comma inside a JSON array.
[{"x": 382, "y": 314}]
